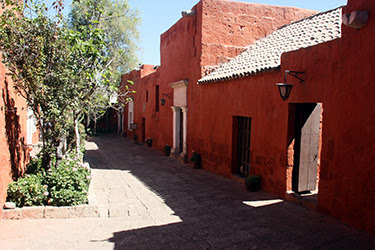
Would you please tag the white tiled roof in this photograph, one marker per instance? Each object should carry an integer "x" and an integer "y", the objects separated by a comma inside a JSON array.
[{"x": 265, "y": 54}]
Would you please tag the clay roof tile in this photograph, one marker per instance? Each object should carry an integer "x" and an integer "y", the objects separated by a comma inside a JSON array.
[{"x": 265, "y": 54}]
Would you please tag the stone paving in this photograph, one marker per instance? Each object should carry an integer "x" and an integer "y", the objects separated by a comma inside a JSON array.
[{"x": 149, "y": 201}]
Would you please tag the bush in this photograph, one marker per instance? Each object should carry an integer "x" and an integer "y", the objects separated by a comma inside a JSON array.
[
  {"x": 63, "y": 184},
  {"x": 196, "y": 157},
  {"x": 34, "y": 166},
  {"x": 149, "y": 142},
  {"x": 28, "y": 191},
  {"x": 167, "y": 150},
  {"x": 69, "y": 182}
]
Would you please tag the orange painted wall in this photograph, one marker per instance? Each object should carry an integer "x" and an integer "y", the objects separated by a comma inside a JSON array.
[
  {"x": 213, "y": 127},
  {"x": 13, "y": 151},
  {"x": 340, "y": 74},
  {"x": 229, "y": 26},
  {"x": 219, "y": 30}
]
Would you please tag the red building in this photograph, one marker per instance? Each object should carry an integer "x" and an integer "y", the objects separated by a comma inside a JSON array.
[
  {"x": 216, "y": 32},
  {"x": 318, "y": 141},
  {"x": 17, "y": 131}
]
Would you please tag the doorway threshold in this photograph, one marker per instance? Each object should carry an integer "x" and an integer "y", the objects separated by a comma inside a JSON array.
[{"x": 307, "y": 199}]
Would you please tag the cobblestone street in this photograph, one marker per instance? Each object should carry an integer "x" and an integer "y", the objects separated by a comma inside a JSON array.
[{"x": 149, "y": 201}]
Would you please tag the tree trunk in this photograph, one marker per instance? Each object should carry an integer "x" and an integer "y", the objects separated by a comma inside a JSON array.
[
  {"x": 76, "y": 131},
  {"x": 95, "y": 126},
  {"x": 87, "y": 121},
  {"x": 46, "y": 157}
]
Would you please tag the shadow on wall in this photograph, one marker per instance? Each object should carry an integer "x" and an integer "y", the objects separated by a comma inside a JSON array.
[{"x": 17, "y": 149}]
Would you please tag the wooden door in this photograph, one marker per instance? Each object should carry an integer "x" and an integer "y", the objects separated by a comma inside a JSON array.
[
  {"x": 243, "y": 146},
  {"x": 306, "y": 148}
]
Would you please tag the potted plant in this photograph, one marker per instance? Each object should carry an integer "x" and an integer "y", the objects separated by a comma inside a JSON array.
[
  {"x": 253, "y": 182},
  {"x": 167, "y": 150},
  {"x": 196, "y": 159},
  {"x": 149, "y": 142}
]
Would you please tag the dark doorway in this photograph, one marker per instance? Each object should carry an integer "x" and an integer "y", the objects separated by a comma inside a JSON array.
[
  {"x": 181, "y": 133},
  {"x": 306, "y": 147},
  {"x": 243, "y": 146},
  {"x": 143, "y": 129}
]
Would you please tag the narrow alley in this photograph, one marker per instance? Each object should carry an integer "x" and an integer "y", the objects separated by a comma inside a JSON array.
[{"x": 149, "y": 201}]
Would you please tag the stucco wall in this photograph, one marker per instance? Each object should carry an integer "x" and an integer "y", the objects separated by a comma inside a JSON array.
[
  {"x": 340, "y": 75},
  {"x": 191, "y": 44},
  {"x": 13, "y": 144},
  {"x": 213, "y": 127},
  {"x": 229, "y": 26},
  {"x": 13, "y": 152}
]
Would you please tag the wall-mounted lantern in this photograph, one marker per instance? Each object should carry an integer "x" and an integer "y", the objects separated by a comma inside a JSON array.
[
  {"x": 285, "y": 88},
  {"x": 163, "y": 100}
]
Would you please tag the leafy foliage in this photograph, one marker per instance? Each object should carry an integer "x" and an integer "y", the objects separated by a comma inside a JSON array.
[
  {"x": 38, "y": 62},
  {"x": 68, "y": 183},
  {"x": 63, "y": 184},
  {"x": 119, "y": 24},
  {"x": 167, "y": 150},
  {"x": 196, "y": 157},
  {"x": 149, "y": 142},
  {"x": 55, "y": 69},
  {"x": 28, "y": 191},
  {"x": 64, "y": 73}
]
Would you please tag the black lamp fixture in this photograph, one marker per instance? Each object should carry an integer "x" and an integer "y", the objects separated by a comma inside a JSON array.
[
  {"x": 286, "y": 88},
  {"x": 163, "y": 100}
]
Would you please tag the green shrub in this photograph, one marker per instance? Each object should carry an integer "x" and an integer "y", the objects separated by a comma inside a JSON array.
[
  {"x": 167, "y": 150},
  {"x": 28, "y": 191},
  {"x": 196, "y": 157},
  {"x": 63, "y": 184},
  {"x": 69, "y": 182},
  {"x": 149, "y": 142},
  {"x": 35, "y": 166}
]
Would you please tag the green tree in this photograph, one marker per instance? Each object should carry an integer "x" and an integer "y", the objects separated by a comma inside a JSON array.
[
  {"x": 34, "y": 55},
  {"x": 90, "y": 72},
  {"x": 119, "y": 23},
  {"x": 55, "y": 69}
]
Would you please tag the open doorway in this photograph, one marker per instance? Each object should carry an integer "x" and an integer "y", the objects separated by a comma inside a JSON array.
[
  {"x": 306, "y": 147},
  {"x": 305, "y": 125}
]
